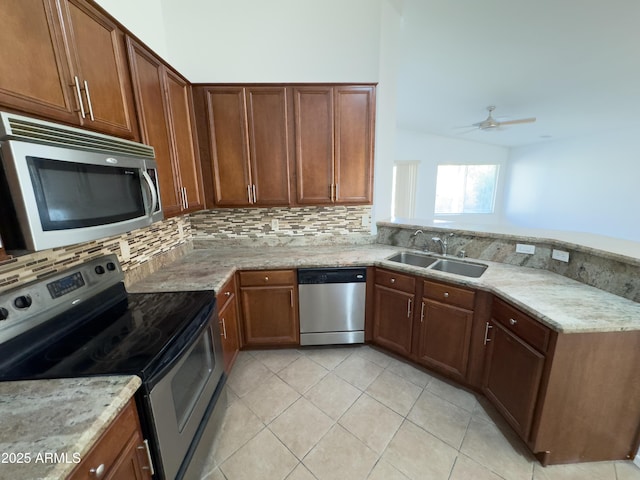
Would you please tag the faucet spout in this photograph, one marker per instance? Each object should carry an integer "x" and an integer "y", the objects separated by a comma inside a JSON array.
[{"x": 443, "y": 243}]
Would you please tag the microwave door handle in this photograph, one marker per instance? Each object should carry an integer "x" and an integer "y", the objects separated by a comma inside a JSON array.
[{"x": 152, "y": 189}]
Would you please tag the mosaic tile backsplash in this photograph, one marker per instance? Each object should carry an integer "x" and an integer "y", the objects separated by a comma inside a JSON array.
[
  {"x": 139, "y": 251},
  {"x": 282, "y": 225}
]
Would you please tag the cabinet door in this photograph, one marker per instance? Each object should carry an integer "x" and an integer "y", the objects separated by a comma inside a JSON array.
[
  {"x": 354, "y": 127},
  {"x": 445, "y": 335},
  {"x": 269, "y": 316},
  {"x": 182, "y": 125},
  {"x": 229, "y": 331},
  {"x": 314, "y": 144},
  {"x": 132, "y": 462},
  {"x": 34, "y": 72},
  {"x": 228, "y": 145},
  {"x": 269, "y": 144},
  {"x": 98, "y": 54},
  {"x": 393, "y": 319},
  {"x": 148, "y": 79},
  {"x": 512, "y": 378}
]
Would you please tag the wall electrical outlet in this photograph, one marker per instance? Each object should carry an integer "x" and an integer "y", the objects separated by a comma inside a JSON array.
[
  {"x": 365, "y": 220},
  {"x": 524, "y": 248},
  {"x": 125, "y": 251},
  {"x": 275, "y": 225},
  {"x": 180, "y": 230},
  {"x": 560, "y": 255}
]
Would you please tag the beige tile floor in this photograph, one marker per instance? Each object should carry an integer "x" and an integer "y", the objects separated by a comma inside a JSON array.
[{"x": 354, "y": 412}]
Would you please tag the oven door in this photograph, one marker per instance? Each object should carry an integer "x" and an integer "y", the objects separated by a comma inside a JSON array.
[{"x": 179, "y": 400}]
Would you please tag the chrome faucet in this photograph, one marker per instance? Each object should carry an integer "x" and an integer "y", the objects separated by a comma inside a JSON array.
[
  {"x": 418, "y": 232},
  {"x": 443, "y": 243}
]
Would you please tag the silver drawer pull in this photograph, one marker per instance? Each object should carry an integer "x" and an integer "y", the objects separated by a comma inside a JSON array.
[
  {"x": 266, "y": 279},
  {"x": 98, "y": 471},
  {"x": 446, "y": 294},
  {"x": 512, "y": 321},
  {"x": 422, "y": 313},
  {"x": 409, "y": 309},
  {"x": 227, "y": 294},
  {"x": 393, "y": 280}
]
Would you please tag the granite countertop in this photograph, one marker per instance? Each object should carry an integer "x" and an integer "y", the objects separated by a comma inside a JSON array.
[
  {"x": 62, "y": 416},
  {"x": 563, "y": 304}
]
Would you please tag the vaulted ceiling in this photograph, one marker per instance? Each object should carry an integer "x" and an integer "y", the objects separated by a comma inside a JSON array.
[{"x": 573, "y": 64}]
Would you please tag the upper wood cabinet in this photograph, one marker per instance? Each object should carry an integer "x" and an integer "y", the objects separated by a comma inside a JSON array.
[
  {"x": 65, "y": 60},
  {"x": 166, "y": 121},
  {"x": 334, "y": 135},
  {"x": 248, "y": 144}
]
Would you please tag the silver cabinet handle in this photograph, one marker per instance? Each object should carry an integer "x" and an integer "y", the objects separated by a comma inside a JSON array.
[
  {"x": 249, "y": 193},
  {"x": 224, "y": 329},
  {"x": 422, "y": 313},
  {"x": 409, "y": 309},
  {"x": 393, "y": 280},
  {"x": 185, "y": 200},
  {"x": 486, "y": 333},
  {"x": 150, "y": 465},
  {"x": 255, "y": 198},
  {"x": 337, "y": 191},
  {"x": 86, "y": 90},
  {"x": 512, "y": 321},
  {"x": 80, "y": 102},
  {"x": 291, "y": 297},
  {"x": 227, "y": 294},
  {"x": 266, "y": 278},
  {"x": 98, "y": 471},
  {"x": 446, "y": 294}
]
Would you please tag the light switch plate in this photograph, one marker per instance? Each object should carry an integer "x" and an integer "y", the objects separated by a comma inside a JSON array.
[
  {"x": 125, "y": 251},
  {"x": 524, "y": 248},
  {"x": 275, "y": 225},
  {"x": 560, "y": 255}
]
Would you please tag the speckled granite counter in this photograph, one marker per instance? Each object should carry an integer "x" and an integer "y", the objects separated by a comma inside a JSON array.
[
  {"x": 63, "y": 416},
  {"x": 562, "y": 303}
]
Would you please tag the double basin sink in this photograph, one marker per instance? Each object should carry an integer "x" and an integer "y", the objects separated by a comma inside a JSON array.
[{"x": 457, "y": 267}]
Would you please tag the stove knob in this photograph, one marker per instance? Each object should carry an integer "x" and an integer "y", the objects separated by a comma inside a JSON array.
[
  {"x": 111, "y": 266},
  {"x": 23, "y": 301},
  {"x": 99, "y": 269},
  {"x": 4, "y": 313}
]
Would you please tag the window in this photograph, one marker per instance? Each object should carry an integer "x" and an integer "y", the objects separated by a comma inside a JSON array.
[{"x": 466, "y": 189}]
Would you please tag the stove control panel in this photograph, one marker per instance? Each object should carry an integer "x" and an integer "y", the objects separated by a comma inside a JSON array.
[{"x": 34, "y": 303}]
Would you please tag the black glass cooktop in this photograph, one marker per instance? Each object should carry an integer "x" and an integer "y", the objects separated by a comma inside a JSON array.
[{"x": 114, "y": 333}]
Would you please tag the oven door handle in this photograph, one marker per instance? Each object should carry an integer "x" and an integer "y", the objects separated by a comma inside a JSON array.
[{"x": 173, "y": 355}]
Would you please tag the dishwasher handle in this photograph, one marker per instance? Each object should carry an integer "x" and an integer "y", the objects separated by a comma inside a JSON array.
[{"x": 315, "y": 276}]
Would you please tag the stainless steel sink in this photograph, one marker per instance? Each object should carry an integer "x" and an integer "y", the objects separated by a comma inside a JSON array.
[
  {"x": 448, "y": 265},
  {"x": 414, "y": 259},
  {"x": 459, "y": 268}
]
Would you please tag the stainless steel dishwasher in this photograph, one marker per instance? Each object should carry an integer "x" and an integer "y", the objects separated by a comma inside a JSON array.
[{"x": 332, "y": 305}]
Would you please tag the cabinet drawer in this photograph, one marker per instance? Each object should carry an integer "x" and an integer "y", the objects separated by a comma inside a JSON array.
[
  {"x": 530, "y": 330},
  {"x": 108, "y": 448},
  {"x": 396, "y": 281},
  {"x": 267, "y": 277},
  {"x": 226, "y": 293},
  {"x": 441, "y": 292}
]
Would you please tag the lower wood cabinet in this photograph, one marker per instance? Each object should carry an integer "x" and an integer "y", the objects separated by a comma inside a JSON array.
[
  {"x": 228, "y": 315},
  {"x": 446, "y": 320},
  {"x": 513, "y": 372},
  {"x": 119, "y": 453},
  {"x": 269, "y": 303},
  {"x": 394, "y": 301}
]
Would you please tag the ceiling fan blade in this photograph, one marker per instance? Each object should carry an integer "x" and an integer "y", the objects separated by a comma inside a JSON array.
[{"x": 521, "y": 120}]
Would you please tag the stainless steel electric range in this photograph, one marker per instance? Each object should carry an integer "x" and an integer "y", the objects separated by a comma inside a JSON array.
[{"x": 82, "y": 322}]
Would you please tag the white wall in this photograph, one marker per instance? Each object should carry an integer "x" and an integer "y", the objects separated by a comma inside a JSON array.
[
  {"x": 144, "y": 18},
  {"x": 430, "y": 150},
  {"x": 274, "y": 41},
  {"x": 586, "y": 185}
]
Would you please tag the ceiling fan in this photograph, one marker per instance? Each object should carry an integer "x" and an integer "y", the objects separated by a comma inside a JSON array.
[{"x": 491, "y": 123}]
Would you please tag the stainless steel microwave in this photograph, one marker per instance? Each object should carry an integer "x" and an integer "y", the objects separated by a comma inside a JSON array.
[{"x": 61, "y": 185}]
